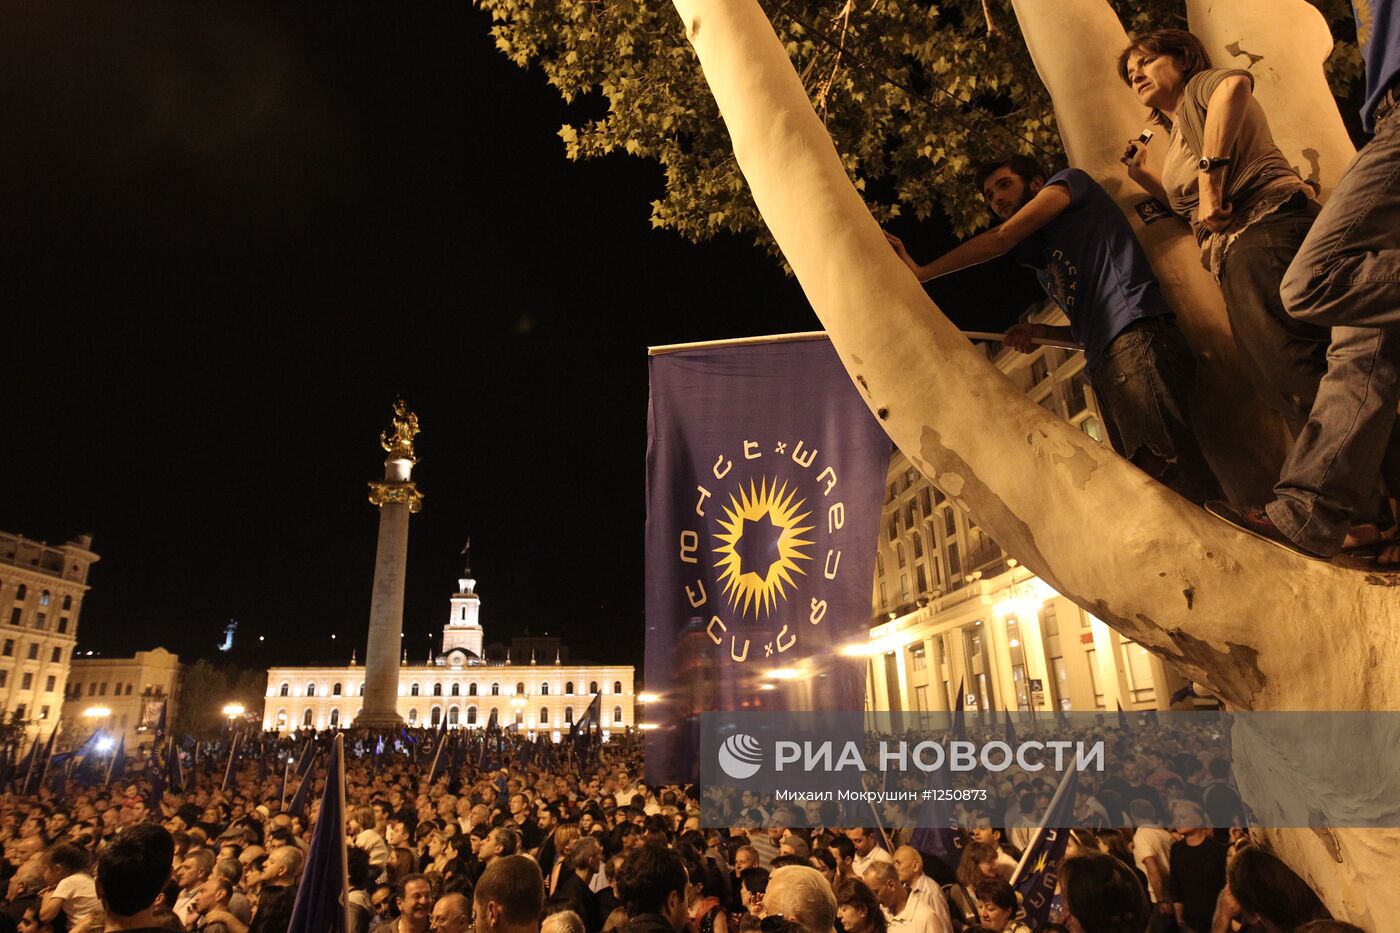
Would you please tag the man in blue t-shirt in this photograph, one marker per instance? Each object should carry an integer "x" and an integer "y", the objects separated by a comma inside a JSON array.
[
  {"x": 1346, "y": 275},
  {"x": 1069, "y": 230}
]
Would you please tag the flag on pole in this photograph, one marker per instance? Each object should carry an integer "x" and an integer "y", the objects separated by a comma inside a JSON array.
[
  {"x": 1038, "y": 873},
  {"x": 39, "y": 771},
  {"x": 322, "y": 902},
  {"x": 960, "y": 714},
  {"x": 765, "y": 479},
  {"x": 282, "y": 796},
  {"x": 937, "y": 832},
  {"x": 177, "y": 772},
  {"x": 116, "y": 768},
  {"x": 297, "y": 807},
  {"x": 232, "y": 761},
  {"x": 440, "y": 758},
  {"x": 1123, "y": 723},
  {"x": 1010, "y": 730}
]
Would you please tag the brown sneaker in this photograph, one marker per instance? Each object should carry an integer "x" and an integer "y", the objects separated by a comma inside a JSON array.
[{"x": 1258, "y": 523}]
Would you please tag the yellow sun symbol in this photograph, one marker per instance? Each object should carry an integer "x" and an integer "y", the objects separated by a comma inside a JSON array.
[{"x": 759, "y": 580}]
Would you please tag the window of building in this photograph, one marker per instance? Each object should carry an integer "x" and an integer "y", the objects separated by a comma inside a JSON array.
[
  {"x": 39, "y": 620},
  {"x": 917, "y": 659},
  {"x": 57, "y": 656},
  {"x": 34, "y": 656},
  {"x": 894, "y": 526},
  {"x": 437, "y": 690},
  {"x": 918, "y": 545},
  {"x": 92, "y": 689},
  {"x": 101, "y": 688},
  {"x": 26, "y": 682},
  {"x": 4, "y": 677},
  {"x": 62, "y": 625},
  {"x": 22, "y": 592},
  {"x": 879, "y": 564},
  {"x": 954, "y": 566},
  {"x": 49, "y": 683},
  {"x": 284, "y": 690},
  {"x": 44, "y": 598},
  {"x": 617, "y": 686},
  {"x": 569, "y": 688},
  {"x": 413, "y": 690},
  {"x": 921, "y": 698},
  {"x": 311, "y": 690},
  {"x": 592, "y": 686},
  {"x": 362, "y": 688},
  {"x": 495, "y": 690},
  {"x": 412, "y": 716},
  {"x": 335, "y": 690},
  {"x": 904, "y": 587},
  {"x": 1137, "y": 669},
  {"x": 544, "y": 716},
  {"x": 16, "y": 614},
  {"x": 67, "y": 603},
  {"x": 892, "y": 493},
  {"x": 437, "y": 716},
  {"x": 617, "y": 714},
  {"x": 921, "y": 577},
  {"x": 544, "y": 689},
  {"x": 925, "y": 503},
  {"x": 9, "y": 651},
  {"x": 128, "y": 689},
  {"x": 1092, "y": 657},
  {"x": 519, "y": 717},
  {"x": 520, "y": 688},
  {"x": 568, "y": 715},
  {"x": 306, "y": 719},
  {"x": 453, "y": 716},
  {"x": 884, "y": 596},
  {"x": 471, "y": 715},
  {"x": 456, "y": 690},
  {"x": 44, "y": 712},
  {"x": 899, "y": 553},
  {"x": 335, "y": 718},
  {"x": 471, "y": 690},
  {"x": 950, "y": 523}
]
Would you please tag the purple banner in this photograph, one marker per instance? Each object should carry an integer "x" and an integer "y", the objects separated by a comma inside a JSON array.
[{"x": 765, "y": 478}]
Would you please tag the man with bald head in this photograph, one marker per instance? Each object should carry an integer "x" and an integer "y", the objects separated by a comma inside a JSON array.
[
  {"x": 451, "y": 914},
  {"x": 904, "y": 913},
  {"x": 509, "y": 896},
  {"x": 909, "y": 866}
]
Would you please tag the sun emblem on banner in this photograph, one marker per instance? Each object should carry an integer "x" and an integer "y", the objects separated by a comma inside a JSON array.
[{"x": 762, "y": 542}]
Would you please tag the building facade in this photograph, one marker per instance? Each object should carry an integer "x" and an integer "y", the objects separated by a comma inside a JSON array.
[
  {"x": 41, "y": 595},
  {"x": 122, "y": 696},
  {"x": 951, "y": 607},
  {"x": 532, "y": 686}
]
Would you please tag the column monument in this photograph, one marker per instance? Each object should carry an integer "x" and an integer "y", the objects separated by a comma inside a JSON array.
[{"x": 397, "y": 497}]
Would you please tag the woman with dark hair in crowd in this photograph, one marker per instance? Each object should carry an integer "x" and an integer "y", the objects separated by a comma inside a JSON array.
[
  {"x": 978, "y": 864},
  {"x": 1103, "y": 896},
  {"x": 857, "y": 908},
  {"x": 703, "y": 902},
  {"x": 999, "y": 906},
  {"x": 1269, "y": 893},
  {"x": 1113, "y": 842}
]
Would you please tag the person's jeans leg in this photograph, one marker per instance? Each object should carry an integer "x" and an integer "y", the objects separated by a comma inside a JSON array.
[
  {"x": 1348, "y": 270},
  {"x": 1347, "y": 273},
  {"x": 1332, "y": 469},
  {"x": 1287, "y": 356},
  {"x": 1144, "y": 388}
]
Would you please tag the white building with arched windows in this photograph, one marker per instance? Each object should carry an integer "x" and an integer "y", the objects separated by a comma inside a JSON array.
[{"x": 531, "y": 686}]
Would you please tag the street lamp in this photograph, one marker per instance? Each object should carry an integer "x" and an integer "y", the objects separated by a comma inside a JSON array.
[
  {"x": 96, "y": 712},
  {"x": 233, "y": 710}
]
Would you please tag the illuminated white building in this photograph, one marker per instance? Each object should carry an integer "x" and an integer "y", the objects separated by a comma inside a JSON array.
[
  {"x": 41, "y": 594},
  {"x": 533, "y": 686},
  {"x": 952, "y": 607}
]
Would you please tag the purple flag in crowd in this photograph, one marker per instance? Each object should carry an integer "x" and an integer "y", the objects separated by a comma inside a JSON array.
[
  {"x": 765, "y": 478},
  {"x": 1038, "y": 873},
  {"x": 323, "y": 896}
]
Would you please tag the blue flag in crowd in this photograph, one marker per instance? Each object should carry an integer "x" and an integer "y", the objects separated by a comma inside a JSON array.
[
  {"x": 1010, "y": 729},
  {"x": 116, "y": 768},
  {"x": 765, "y": 479},
  {"x": 1038, "y": 873},
  {"x": 297, "y": 807},
  {"x": 322, "y": 896},
  {"x": 937, "y": 832}
]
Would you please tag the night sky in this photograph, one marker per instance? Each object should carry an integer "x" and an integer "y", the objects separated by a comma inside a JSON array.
[{"x": 232, "y": 234}]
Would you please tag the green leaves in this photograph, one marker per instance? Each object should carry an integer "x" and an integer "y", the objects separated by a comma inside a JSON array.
[{"x": 915, "y": 94}]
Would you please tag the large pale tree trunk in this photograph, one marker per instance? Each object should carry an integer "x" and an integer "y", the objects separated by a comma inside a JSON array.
[{"x": 1262, "y": 629}]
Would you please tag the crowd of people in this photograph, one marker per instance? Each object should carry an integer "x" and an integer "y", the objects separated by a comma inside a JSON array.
[{"x": 567, "y": 848}]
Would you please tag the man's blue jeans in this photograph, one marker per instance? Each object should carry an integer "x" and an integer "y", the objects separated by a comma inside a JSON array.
[{"x": 1347, "y": 276}]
